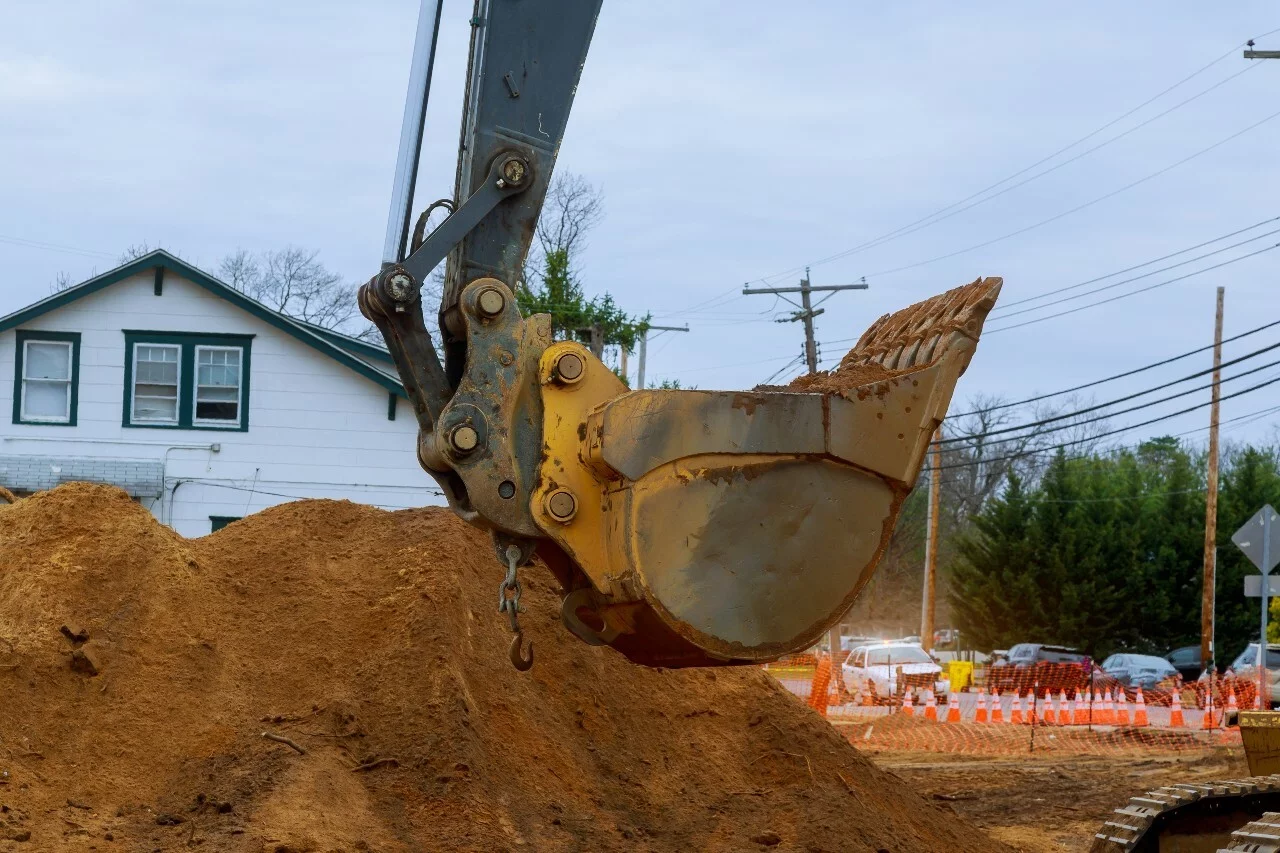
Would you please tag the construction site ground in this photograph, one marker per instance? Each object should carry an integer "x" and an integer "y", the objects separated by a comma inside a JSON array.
[{"x": 1041, "y": 804}]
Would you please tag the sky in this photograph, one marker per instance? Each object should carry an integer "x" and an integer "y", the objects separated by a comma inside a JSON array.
[{"x": 733, "y": 142}]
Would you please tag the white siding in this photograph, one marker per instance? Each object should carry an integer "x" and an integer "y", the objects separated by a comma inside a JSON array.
[{"x": 316, "y": 427}]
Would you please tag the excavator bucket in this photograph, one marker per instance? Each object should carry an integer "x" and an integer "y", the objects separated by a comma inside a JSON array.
[{"x": 725, "y": 527}]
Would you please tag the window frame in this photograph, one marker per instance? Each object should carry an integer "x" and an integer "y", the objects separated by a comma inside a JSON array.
[
  {"x": 221, "y": 423},
  {"x": 189, "y": 342},
  {"x": 218, "y": 522},
  {"x": 21, "y": 339},
  {"x": 133, "y": 385}
]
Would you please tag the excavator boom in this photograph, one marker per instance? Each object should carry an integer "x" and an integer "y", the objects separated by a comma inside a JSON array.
[{"x": 686, "y": 528}]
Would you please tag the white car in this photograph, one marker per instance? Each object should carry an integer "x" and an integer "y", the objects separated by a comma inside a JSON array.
[{"x": 882, "y": 663}]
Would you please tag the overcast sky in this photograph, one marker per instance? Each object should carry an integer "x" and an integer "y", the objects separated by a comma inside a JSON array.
[{"x": 734, "y": 141}]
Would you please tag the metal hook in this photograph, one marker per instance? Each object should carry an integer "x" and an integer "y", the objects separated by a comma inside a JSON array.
[{"x": 521, "y": 664}]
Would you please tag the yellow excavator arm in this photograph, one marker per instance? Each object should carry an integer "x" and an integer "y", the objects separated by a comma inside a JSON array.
[{"x": 686, "y": 528}]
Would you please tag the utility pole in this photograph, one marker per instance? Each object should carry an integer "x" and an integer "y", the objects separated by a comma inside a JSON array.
[
  {"x": 807, "y": 309},
  {"x": 644, "y": 347},
  {"x": 1211, "y": 502},
  {"x": 930, "y": 601},
  {"x": 1250, "y": 53}
]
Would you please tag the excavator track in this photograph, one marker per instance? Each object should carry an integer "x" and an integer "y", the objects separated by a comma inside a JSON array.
[
  {"x": 1235, "y": 815},
  {"x": 1260, "y": 836}
]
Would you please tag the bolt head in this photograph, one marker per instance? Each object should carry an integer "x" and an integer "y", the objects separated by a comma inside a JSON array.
[
  {"x": 400, "y": 286},
  {"x": 569, "y": 367},
  {"x": 464, "y": 439},
  {"x": 514, "y": 171},
  {"x": 562, "y": 505},
  {"x": 491, "y": 302}
]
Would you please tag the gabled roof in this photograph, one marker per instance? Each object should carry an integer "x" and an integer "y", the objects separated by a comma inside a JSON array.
[{"x": 323, "y": 340}]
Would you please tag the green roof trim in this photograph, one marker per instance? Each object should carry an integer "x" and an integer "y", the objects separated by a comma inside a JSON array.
[
  {"x": 304, "y": 332},
  {"x": 349, "y": 343}
]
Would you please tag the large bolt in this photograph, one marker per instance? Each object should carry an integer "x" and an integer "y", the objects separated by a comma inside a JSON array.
[
  {"x": 464, "y": 438},
  {"x": 562, "y": 505},
  {"x": 513, "y": 171},
  {"x": 491, "y": 302},
  {"x": 569, "y": 368},
  {"x": 400, "y": 286}
]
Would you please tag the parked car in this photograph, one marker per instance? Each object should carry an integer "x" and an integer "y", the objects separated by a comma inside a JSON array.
[
  {"x": 1145, "y": 671},
  {"x": 883, "y": 663},
  {"x": 946, "y": 637},
  {"x": 1012, "y": 672},
  {"x": 1246, "y": 666},
  {"x": 848, "y": 644},
  {"x": 1186, "y": 661}
]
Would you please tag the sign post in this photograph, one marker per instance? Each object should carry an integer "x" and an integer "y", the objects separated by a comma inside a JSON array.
[{"x": 1255, "y": 540}]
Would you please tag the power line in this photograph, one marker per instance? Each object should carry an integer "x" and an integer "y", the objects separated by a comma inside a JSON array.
[
  {"x": 1015, "y": 175},
  {"x": 1076, "y": 441},
  {"x": 1100, "y": 406},
  {"x": 1124, "y": 375},
  {"x": 1078, "y": 207},
  {"x": 53, "y": 247},
  {"x": 784, "y": 369},
  {"x": 1003, "y": 310},
  {"x": 1247, "y": 418},
  {"x": 920, "y": 226},
  {"x": 1110, "y": 299}
]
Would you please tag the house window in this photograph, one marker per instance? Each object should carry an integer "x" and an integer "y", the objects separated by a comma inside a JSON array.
[
  {"x": 217, "y": 385},
  {"x": 46, "y": 376},
  {"x": 217, "y": 522},
  {"x": 187, "y": 381},
  {"x": 157, "y": 370}
]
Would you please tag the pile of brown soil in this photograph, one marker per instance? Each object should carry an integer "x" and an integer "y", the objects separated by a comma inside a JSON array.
[{"x": 370, "y": 640}]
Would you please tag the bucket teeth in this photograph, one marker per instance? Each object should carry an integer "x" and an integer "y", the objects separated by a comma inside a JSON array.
[{"x": 916, "y": 336}]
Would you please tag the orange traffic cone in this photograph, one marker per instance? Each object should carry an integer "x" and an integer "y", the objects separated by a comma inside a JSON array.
[
  {"x": 1232, "y": 707},
  {"x": 997, "y": 710},
  {"x": 1140, "y": 710},
  {"x": 953, "y": 707},
  {"x": 908, "y": 707},
  {"x": 931, "y": 707},
  {"x": 1175, "y": 711},
  {"x": 1080, "y": 710},
  {"x": 1122, "y": 708},
  {"x": 1108, "y": 710},
  {"x": 1015, "y": 714},
  {"x": 1064, "y": 712},
  {"x": 1209, "y": 719},
  {"x": 980, "y": 716},
  {"x": 1047, "y": 716}
]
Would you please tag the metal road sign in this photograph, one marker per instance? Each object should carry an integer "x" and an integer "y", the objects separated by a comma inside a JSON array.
[
  {"x": 1253, "y": 586},
  {"x": 1259, "y": 538}
]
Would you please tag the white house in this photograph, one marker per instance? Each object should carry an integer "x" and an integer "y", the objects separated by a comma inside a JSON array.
[{"x": 202, "y": 403}]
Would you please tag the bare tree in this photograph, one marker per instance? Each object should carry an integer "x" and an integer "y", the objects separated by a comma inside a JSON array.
[
  {"x": 293, "y": 282},
  {"x": 135, "y": 251},
  {"x": 62, "y": 281},
  {"x": 573, "y": 207}
]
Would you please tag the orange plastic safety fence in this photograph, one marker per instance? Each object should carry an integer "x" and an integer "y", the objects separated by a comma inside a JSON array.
[{"x": 1070, "y": 716}]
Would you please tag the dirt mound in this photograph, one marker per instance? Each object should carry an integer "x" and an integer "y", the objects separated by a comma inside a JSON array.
[{"x": 370, "y": 640}]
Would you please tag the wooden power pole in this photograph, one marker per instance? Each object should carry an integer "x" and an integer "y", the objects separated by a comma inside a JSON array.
[
  {"x": 807, "y": 309},
  {"x": 1211, "y": 502},
  {"x": 930, "y": 601}
]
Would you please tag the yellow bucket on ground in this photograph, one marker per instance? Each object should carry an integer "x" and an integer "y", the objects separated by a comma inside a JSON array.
[
  {"x": 959, "y": 674},
  {"x": 1260, "y": 731}
]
